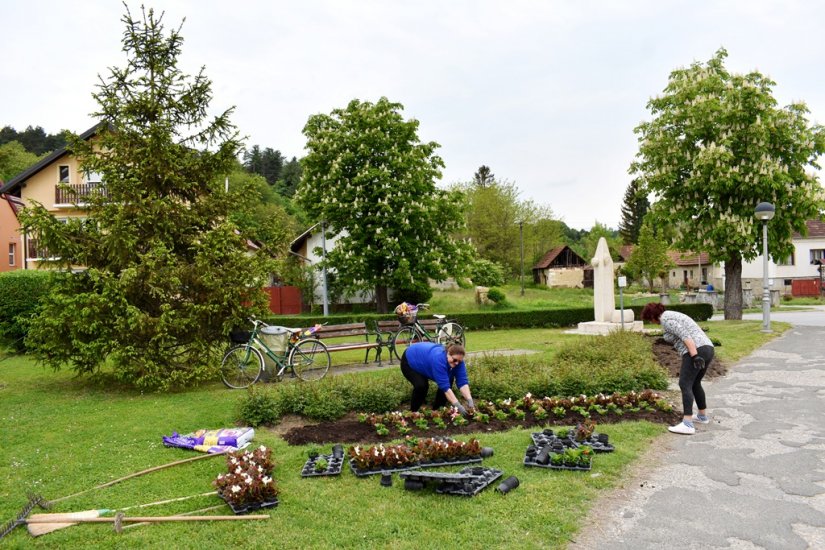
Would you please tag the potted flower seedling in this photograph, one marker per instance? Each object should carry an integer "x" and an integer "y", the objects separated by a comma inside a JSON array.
[
  {"x": 248, "y": 483},
  {"x": 321, "y": 465},
  {"x": 313, "y": 452}
]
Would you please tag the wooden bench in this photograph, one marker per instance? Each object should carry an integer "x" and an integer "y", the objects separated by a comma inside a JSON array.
[{"x": 376, "y": 336}]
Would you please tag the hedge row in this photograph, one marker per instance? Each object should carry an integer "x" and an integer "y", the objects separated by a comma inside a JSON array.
[
  {"x": 479, "y": 320},
  {"x": 20, "y": 295},
  {"x": 621, "y": 361}
]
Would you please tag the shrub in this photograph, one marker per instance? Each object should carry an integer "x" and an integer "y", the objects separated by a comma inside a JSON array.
[
  {"x": 415, "y": 294},
  {"x": 486, "y": 273},
  {"x": 620, "y": 361},
  {"x": 497, "y": 295},
  {"x": 259, "y": 407},
  {"x": 326, "y": 399},
  {"x": 21, "y": 292}
]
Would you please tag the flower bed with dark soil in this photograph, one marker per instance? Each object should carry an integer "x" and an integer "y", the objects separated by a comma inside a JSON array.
[
  {"x": 350, "y": 430},
  {"x": 672, "y": 361}
]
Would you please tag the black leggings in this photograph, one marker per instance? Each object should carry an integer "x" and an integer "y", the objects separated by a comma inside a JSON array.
[
  {"x": 421, "y": 385},
  {"x": 690, "y": 380}
]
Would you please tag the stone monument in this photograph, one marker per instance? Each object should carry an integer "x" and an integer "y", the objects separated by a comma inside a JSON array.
[{"x": 607, "y": 318}]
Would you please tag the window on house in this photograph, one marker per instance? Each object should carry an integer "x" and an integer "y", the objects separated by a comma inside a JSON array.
[
  {"x": 817, "y": 255},
  {"x": 94, "y": 177},
  {"x": 12, "y": 254},
  {"x": 64, "y": 173},
  {"x": 789, "y": 260},
  {"x": 674, "y": 274}
]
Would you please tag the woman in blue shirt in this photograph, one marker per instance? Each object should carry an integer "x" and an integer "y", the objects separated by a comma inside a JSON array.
[{"x": 427, "y": 361}]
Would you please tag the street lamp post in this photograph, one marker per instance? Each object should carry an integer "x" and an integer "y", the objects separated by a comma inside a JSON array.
[
  {"x": 764, "y": 212},
  {"x": 521, "y": 238}
]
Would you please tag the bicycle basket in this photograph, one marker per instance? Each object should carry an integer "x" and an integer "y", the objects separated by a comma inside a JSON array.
[
  {"x": 406, "y": 313},
  {"x": 239, "y": 336},
  {"x": 275, "y": 338}
]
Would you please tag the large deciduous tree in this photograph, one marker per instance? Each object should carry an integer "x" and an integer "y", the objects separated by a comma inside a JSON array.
[
  {"x": 634, "y": 207},
  {"x": 371, "y": 179},
  {"x": 718, "y": 145},
  {"x": 167, "y": 273},
  {"x": 14, "y": 159}
]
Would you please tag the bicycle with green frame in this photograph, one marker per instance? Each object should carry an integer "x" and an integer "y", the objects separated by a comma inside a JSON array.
[
  {"x": 412, "y": 331},
  {"x": 291, "y": 349}
]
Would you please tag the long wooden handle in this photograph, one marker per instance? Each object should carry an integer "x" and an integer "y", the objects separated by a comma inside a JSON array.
[
  {"x": 153, "y": 519},
  {"x": 192, "y": 513},
  {"x": 140, "y": 473}
]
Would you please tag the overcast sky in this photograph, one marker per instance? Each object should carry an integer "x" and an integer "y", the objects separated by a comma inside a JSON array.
[{"x": 546, "y": 93}]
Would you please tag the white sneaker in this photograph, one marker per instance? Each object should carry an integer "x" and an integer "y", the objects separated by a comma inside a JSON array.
[
  {"x": 696, "y": 419},
  {"x": 682, "y": 428}
]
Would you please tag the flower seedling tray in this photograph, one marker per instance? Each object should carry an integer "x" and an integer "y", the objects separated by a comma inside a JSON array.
[
  {"x": 598, "y": 446},
  {"x": 450, "y": 462},
  {"x": 530, "y": 460},
  {"x": 468, "y": 482},
  {"x": 541, "y": 439},
  {"x": 239, "y": 509},
  {"x": 334, "y": 466},
  {"x": 365, "y": 473}
]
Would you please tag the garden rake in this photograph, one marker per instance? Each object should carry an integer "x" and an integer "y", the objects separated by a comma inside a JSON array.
[
  {"x": 34, "y": 500},
  {"x": 61, "y": 521}
]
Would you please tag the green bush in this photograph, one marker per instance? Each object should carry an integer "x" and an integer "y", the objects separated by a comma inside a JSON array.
[
  {"x": 496, "y": 295},
  {"x": 327, "y": 399},
  {"x": 620, "y": 361},
  {"x": 486, "y": 273},
  {"x": 415, "y": 294},
  {"x": 259, "y": 407},
  {"x": 21, "y": 292}
]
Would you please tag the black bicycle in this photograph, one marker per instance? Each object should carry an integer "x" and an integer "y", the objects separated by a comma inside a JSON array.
[{"x": 412, "y": 331}]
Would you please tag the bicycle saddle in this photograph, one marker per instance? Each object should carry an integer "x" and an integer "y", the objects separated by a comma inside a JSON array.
[{"x": 437, "y": 316}]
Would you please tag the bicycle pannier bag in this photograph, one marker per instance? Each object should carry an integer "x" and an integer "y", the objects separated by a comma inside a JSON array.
[{"x": 275, "y": 338}]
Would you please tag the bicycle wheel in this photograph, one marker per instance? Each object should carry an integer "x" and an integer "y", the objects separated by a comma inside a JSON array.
[
  {"x": 241, "y": 367},
  {"x": 309, "y": 359},
  {"x": 404, "y": 338},
  {"x": 451, "y": 333}
]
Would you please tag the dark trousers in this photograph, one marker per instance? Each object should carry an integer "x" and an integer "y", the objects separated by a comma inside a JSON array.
[
  {"x": 421, "y": 385},
  {"x": 690, "y": 380}
]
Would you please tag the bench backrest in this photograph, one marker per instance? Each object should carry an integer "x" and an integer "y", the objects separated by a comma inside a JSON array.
[{"x": 341, "y": 331}]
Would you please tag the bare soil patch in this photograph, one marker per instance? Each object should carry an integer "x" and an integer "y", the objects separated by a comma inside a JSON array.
[{"x": 672, "y": 361}]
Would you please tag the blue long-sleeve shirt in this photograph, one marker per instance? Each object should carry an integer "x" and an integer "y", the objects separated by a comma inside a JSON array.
[{"x": 430, "y": 360}]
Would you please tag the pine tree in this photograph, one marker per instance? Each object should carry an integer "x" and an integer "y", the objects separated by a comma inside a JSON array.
[
  {"x": 167, "y": 274},
  {"x": 634, "y": 208}
]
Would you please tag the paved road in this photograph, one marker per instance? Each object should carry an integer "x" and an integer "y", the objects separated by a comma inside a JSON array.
[
  {"x": 754, "y": 478},
  {"x": 813, "y": 318}
]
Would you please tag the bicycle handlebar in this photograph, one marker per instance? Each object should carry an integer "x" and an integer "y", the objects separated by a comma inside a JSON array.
[{"x": 422, "y": 306}]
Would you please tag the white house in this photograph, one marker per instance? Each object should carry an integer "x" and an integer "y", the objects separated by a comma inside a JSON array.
[
  {"x": 309, "y": 248},
  {"x": 796, "y": 273}
]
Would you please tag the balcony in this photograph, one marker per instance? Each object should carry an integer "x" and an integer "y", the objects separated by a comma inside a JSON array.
[{"x": 76, "y": 193}]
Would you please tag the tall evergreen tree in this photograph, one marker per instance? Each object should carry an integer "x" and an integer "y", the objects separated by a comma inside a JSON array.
[
  {"x": 483, "y": 176},
  {"x": 634, "y": 207},
  {"x": 167, "y": 272}
]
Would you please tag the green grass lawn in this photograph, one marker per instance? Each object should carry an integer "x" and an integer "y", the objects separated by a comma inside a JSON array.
[{"x": 65, "y": 434}]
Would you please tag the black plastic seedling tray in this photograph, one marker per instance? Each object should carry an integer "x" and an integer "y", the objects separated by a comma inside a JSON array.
[
  {"x": 541, "y": 439},
  {"x": 245, "y": 509},
  {"x": 334, "y": 466},
  {"x": 449, "y": 462},
  {"x": 530, "y": 460},
  {"x": 468, "y": 482},
  {"x": 366, "y": 473}
]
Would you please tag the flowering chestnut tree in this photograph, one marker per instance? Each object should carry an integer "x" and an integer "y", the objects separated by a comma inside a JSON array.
[
  {"x": 371, "y": 179},
  {"x": 717, "y": 146}
]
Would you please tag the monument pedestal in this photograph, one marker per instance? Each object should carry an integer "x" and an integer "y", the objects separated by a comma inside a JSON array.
[{"x": 597, "y": 327}]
